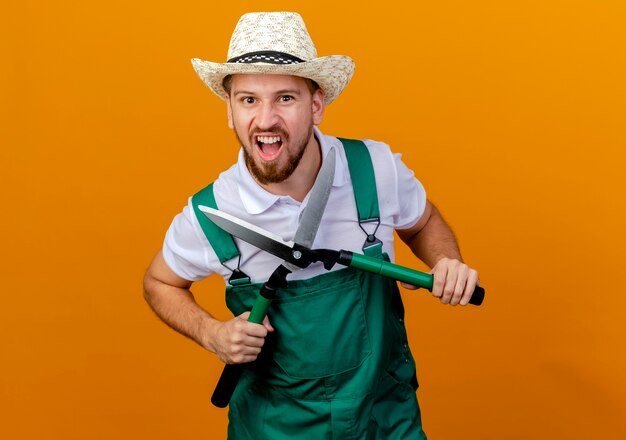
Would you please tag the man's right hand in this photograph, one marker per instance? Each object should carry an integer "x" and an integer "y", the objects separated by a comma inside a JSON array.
[
  {"x": 236, "y": 341},
  {"x": 239, "y": 341}
]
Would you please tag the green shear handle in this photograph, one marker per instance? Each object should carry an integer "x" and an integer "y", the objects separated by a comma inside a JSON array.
[
  {"x": 398, "y": 272},
  {"x": 232, "y": 372}
]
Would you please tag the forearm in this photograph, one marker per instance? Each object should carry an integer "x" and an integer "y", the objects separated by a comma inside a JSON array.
[
  {"x": 434, "y": 241},
  {"x": 176, "y": 307},
  {"x": 234, "y": 341}
]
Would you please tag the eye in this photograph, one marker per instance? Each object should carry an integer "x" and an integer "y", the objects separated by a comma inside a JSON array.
[
  {"x": 247, "y": 100},
  {"x": 286, "y": 98}
]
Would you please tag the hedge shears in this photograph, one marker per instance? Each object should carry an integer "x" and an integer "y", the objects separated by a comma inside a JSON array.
[{"x": 302, "y": 256}]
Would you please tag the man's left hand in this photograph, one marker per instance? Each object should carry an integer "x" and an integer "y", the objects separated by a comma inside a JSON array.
[{"x": 454, "y": 282}]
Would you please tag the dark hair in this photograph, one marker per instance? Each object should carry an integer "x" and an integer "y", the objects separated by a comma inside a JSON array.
[{"x": 312, "y": 85}]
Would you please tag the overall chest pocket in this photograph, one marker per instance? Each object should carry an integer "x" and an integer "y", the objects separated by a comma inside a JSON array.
[{"x": 321, "y": 331}]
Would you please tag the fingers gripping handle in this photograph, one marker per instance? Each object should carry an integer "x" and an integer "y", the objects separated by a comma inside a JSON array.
[
  {"x": 232, "y": 372},
  {"x": 399, "y": 273}
]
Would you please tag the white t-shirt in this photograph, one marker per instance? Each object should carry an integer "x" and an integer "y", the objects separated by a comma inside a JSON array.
[{"x": 401, "y": 199}]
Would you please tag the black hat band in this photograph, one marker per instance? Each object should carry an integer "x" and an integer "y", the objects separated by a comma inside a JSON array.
[{"x": 267, "y": 56}]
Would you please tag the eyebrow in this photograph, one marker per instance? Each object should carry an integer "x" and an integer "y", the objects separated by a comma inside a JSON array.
[{"x": 278, "y": 92}]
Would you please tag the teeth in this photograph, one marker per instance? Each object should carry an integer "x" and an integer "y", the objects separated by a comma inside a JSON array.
[{"x": 268, "y": 139}]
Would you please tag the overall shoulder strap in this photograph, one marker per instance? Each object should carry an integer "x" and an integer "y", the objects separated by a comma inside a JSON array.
[
  {"x": 363, "y": 180},
  {"x": 365, "y": 194},
  {"x": 220, "y": 240}
]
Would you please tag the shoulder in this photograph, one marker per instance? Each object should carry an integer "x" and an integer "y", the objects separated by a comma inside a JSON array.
[
  {"x": 383, "y": 161},
  {"x": 379, "y": 152}
]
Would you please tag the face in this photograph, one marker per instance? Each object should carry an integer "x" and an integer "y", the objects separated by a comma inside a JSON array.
[{"x": 273, "y": 118}]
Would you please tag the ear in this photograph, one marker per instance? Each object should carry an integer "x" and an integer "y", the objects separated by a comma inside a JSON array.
[
  {"x": 229, "y": 111},
  {"x": 317, "y": 105}
]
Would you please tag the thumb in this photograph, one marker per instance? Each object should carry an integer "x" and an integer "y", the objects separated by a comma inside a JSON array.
[{"x": 266, "y": 323}]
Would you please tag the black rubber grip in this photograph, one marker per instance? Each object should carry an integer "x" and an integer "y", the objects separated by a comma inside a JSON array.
[
  {"x": 226, "y": 385},
  {"x": 478, "y": 296}
]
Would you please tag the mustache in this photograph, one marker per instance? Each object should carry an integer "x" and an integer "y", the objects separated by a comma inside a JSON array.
[{"x": 273, "y": 129}]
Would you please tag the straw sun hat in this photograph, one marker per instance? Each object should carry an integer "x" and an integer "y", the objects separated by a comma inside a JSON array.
[{"x": 276, "y": 43}]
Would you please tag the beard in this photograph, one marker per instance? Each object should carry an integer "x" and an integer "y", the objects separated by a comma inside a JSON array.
[{"x": 272, "y": 172}]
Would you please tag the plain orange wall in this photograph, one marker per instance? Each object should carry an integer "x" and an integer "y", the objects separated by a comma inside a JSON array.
[{"x": 511, "y": 113}]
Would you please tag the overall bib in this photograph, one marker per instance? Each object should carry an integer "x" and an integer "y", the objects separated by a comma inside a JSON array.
[{"x": 338, "y": 365}]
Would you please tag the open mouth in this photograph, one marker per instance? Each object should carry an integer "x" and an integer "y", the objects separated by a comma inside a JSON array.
[{"x": 269, "y": 146}]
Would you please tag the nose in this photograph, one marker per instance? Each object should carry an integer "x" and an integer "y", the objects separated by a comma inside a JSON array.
[{"x": 267, "y": 116}]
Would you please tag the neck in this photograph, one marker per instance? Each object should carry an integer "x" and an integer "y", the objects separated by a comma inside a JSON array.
[{"x": 298, "y": 185}]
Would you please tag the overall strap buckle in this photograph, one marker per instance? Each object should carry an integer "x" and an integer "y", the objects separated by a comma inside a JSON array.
[
  {"x": 238, "y": 277},
  {"x": 371, "y": 241}
]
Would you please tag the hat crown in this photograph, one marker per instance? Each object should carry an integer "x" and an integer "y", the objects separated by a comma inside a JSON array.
[{"x": 272, "y": 31}]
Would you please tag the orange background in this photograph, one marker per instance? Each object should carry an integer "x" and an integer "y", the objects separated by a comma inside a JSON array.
[{"x": 511, "y": 113}]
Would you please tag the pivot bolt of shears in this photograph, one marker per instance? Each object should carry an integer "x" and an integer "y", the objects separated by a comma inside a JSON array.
[{"x": 297, "y": 255}]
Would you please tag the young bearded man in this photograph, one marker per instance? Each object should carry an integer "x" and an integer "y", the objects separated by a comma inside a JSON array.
[{"x": 331, "y": 360}]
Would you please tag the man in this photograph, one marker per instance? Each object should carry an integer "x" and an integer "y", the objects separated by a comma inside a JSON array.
[{"x": 335, "y": 361}]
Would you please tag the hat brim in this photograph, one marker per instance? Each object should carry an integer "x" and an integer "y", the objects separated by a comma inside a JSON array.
[{"x": 332, "y": 73}]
